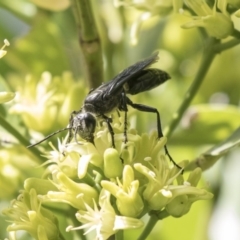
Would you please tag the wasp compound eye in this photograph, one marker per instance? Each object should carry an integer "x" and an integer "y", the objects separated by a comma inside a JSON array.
[{"x": 82, "y": 124}]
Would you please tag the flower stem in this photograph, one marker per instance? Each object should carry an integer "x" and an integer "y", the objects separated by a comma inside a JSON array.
[
  {"x": 154, "y": 217},
  {"x": 119, "y": 235},
  {"x": 37, "y": 154},
  {"x": 17, "y": 12},
  {"x": 61, "y": 237},
  {"x": 80, "y": 233},
  {"x": 208, "y": 56},
  {"x": 89, "y": 41},
  {"x": 226, "y": 45},
  {"x": 236, "y": 34}
]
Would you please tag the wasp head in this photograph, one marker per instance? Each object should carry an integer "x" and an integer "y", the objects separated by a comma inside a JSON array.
[{"x": 84, "y": 125}]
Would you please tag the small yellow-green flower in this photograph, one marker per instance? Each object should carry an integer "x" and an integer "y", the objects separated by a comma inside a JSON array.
[
  {"x": 113, "y": 166},
  {"x": 159, "y": 180},
  {"x": 103, "y": 219},
  {"x": 185, "y": 194},
  {"x": 128, "y": 200},
  {"x": 150, "y": 9},
  {"x": 69, "y": 191},
  {"x": 217, "y": 24},
  {"x": 26, "y": 213},
  {"x": 46, "y": 103}
]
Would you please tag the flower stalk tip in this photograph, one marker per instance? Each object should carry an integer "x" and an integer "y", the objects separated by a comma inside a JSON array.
[
  {"x": 6, "y": 96},
  {"x": 2, "y": 51}
]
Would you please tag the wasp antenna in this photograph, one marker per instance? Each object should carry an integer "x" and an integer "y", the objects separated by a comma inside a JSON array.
[{"x": 50, "y": 135}]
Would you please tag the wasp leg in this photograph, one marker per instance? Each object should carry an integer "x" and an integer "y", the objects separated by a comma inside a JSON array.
[
  {"x": 70, "y": 132},
  {"x": 75, "y": 135},
  {"x": 110, "y": 129},
  {"x": 125, "y": 125},
  {"x": 145, "y": 108},
  {"x": 123, "y": 107},
  {"x": 125, "y": 128}
]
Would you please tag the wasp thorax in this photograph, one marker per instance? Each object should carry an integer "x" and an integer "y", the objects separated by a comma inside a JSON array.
[{"x": 84, "y": 124}]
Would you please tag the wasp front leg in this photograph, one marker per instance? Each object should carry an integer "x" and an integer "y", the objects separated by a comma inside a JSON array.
[
  {"x": 110, "y": 129},
  {"x": 70, "y": 125}
]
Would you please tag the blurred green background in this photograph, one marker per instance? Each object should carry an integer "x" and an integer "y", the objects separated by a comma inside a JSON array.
[{"x": 46, "y": 40}]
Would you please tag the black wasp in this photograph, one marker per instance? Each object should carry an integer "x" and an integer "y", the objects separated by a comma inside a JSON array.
[{"x": 113, "y": 96}]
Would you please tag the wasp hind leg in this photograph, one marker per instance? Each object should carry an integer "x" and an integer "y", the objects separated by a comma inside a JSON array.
[{"x": 144, "y": 108}]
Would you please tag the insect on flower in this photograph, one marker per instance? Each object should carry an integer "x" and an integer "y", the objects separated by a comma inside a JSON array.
[{"x": 113, "y": 96}]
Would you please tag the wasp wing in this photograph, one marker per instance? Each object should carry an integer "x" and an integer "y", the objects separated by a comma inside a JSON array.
[
  {"x": 147, "y": 80},
  {"x": 133, "y": 80},
  {"x": 116, "y": 84}
]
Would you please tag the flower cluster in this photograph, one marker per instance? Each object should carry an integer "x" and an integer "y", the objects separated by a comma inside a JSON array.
[
  {"x": 27, "y": 214},
  {"x": 215, "y": 20},
  {"x": 110, "y": 189},
  {"x": 50, "y": 98},
  {"x": 218, "y": 24}
]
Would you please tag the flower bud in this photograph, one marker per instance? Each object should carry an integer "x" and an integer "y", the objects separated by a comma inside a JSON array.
[
  {"x": 179, "y": 206},
  {"x": 183, "y": 198},
  {"x": 41, "y": 186},
  {"x": 160, "y": 199},
  {"x": 113, "y": 166},
  {"x": 194, "y": 177},
  {"x": 218, "y": 25},
  {"x": 129, "y": 202},
  {"x": 6, "y": 96},
  {"x": 73, "y": 193}
]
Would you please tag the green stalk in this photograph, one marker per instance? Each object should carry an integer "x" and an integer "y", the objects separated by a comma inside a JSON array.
[
  {"x": 89, "y": 41},
  {"x": 22, "y": 140},
  {"x": 119, "y": 235},
  {"x": 15, "y": 9},
  {"x": 208, "y": 56},
  {"x": 61, "y": 237},
  {"x": 154, "y": 217},
  {"x": 226, "y": 45}
]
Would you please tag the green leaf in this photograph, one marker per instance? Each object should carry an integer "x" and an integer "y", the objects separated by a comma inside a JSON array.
[
  {"x": 207, "y": 124},
  {"x": 208, "y": 159}
]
